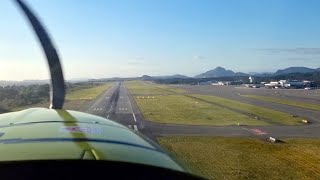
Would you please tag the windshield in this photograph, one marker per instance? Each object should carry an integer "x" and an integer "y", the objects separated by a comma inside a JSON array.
[{"x": 230, "y": 87}]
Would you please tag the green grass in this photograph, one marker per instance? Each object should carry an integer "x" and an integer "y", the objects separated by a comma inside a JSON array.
[
  {"x": 147, "y": 88},
  {"x": 275, "y": 116},
  {"x": 86, "y": 92},
  {"x": 76, "y": 105},
  {"x": 41, "y": 104},
  {"x": 285, "y": 102},
  {"x": 247, "y": 158},
  {"x": 172, "y": 106},
  {"x": 179, "y": 109}
]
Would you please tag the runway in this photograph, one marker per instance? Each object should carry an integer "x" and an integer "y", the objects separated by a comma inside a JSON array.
[
  {"x": 115, "y": 104},
  {"x": 118, "y": 105}
]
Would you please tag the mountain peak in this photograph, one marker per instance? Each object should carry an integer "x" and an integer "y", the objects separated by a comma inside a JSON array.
[
  {"x": 219, "y": 67},
  {"x": 216, "y": 72}
]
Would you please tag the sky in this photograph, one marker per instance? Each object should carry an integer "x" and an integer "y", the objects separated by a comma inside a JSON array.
[{"x": 129, "y": 38}]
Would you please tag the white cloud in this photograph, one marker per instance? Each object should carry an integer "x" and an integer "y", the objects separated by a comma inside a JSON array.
[{"x": 198, "y": 57}]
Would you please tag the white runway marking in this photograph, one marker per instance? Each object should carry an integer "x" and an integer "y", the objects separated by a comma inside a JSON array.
[
  {"x": 130, "y": 126},
  {"x": 108, "y": 116},
  {"x": 94, "y": 109},
  {"x": 100, "y": 100},
  {"x": 134, "y": 116},
  {"x": 135, "y": 127}
]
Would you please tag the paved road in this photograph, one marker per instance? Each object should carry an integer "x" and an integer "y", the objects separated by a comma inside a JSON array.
[{"x": 118, "y": 105}]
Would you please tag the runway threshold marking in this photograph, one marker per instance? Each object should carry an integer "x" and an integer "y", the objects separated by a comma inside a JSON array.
[{"x": 106, "y": 92}]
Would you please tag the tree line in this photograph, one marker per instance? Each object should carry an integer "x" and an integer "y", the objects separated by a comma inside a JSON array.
[{"x": 13, "y": 96}]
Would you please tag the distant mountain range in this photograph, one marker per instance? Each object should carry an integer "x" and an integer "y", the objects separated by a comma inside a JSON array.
[
  {"x": 176, "y": 76},
  {"x": 296, "y": 70},
  {"x": 222, "y": 72},
  {"x": 214, "y": 73}
]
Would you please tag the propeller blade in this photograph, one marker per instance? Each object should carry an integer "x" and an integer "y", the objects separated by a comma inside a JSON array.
[{"x": 57, "y": 88}]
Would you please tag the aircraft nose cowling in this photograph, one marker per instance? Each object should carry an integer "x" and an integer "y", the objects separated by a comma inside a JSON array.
[{"x": 47, "y": 134}]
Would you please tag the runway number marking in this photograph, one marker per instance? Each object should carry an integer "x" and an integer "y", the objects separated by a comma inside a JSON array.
[{"x": 135, "y": 127}]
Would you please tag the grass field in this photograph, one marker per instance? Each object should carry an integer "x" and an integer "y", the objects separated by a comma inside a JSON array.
[
  {"x": 285, "y": 102},
  {"x": 147, "y": 88},
  {"x": 275, "y": 116},
  {"x": 87, "y": 91},
  {"x": 171, "y": 105},
  {"x": 247, "y": 158},
  {"x": 179, "y": 109}
]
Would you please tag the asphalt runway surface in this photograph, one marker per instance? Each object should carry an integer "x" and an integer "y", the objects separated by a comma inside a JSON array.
[
  {"x": 118, "y": 105},
  {"x": 115, "y": 104}
]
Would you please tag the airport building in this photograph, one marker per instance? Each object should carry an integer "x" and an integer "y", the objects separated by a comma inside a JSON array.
[{"x": 293, "y": 84}]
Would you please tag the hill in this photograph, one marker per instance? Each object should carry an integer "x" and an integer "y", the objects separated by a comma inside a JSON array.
[
  {"x": 296, "y": 70},
  {"x": 216, "y": 72}
]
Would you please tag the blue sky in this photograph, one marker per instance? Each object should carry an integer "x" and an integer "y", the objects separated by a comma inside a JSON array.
[{"x": 108, "y": 38}]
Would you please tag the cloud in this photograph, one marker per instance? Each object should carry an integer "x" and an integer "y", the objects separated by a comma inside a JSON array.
[
  {"x": 300, "y": 50},
  {"x": 198, "y": 57}
]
